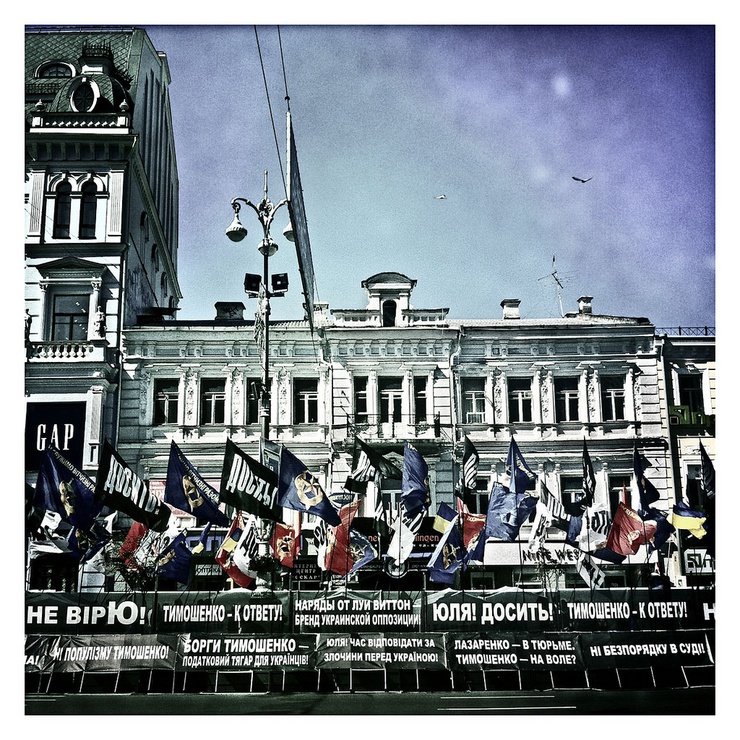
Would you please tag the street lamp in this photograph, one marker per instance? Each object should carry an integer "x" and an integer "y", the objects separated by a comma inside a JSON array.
[{"x": 257, "y": 287}]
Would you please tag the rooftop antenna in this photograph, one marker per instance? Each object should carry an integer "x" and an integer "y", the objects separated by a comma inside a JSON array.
[{"x": 559, "y": 280}]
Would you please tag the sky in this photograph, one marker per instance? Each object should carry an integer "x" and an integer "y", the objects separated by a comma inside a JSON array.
[{"x": 499, "y": 119}]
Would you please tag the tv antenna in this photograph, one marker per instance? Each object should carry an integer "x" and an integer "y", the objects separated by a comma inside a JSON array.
[{"x": 559, "y": 281}]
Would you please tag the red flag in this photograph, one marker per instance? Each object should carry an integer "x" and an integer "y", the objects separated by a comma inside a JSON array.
[
  {"x": 131, "y": 544},
  {"x": 629, "y": 531},
  {"x": 338, "y": 557},
  {"x": 225, "y": 554},
  {"x": 472, "y": 526},
  {"x": 284, "y": 544}
]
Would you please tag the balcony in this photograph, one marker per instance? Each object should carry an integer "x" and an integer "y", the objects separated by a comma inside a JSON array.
[{"x": 95, "y": 350}]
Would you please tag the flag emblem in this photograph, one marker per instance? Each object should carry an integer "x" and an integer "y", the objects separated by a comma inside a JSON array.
[{"x": 308, "y": 489}]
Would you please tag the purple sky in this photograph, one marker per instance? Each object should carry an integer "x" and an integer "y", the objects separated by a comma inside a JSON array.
[{"x": 499, "y": 119}]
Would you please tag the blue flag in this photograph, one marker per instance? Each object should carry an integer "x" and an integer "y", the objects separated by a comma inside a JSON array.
[
  {"x": 507, "y": 511},
  {"x": 85, "y": 543},
  {"x": 361, "y": 550},
  {"x": 174, "y": 562},
  {"x": 187, "y": 491},
  {"x": 663, "y": 529},
  {"x": 648, "y": 492},
  {"x": 62, "y": 488},
  {"x": 522, "y": 478},
  {"x": 299, "y": 489},
  {"x": 449, "y": 555},
  {"x": 415, "y": 482}
]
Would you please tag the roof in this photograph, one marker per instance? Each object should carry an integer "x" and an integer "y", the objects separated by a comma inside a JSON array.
[{"x": 388, "y": 277}]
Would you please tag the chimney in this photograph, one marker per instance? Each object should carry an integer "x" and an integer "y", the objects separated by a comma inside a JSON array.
[
  {"x": 584, "y": 304},
  {"x": 233, "y": 311},
  {"x": 511, "y": 308}
]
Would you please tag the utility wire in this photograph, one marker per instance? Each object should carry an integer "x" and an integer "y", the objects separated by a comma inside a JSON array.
[
  {"x": 269, "y": 106},
  {"x": 282, "y": 61}
]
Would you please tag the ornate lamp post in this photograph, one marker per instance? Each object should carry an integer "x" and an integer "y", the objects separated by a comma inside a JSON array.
[{"x": 257, "y": 286}]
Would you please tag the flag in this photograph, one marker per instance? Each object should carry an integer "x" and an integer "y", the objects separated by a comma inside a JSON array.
[
  {"x": 558, "y": 516},
  {"x": 118, "y": 487},
  {"x": 225, "y": 554},
  {"x": 338, "y": 557},
  {"x": 62, "y": 488},
  {"x": 200, "y": 546},
  {"x": 299, "y": 489},
  {"x": 448, "y": 556},
  {"x": 284, "y": 544},
  {"x": 368, "y": 465},
  {"x": 246, "y": 549},
  {"x": 320, "y": 537},
  {"x": 361, "y": 550},
  {"x": 590, "y": 571},
  {"x": 472, "y": 533},
  {"x": 131, "y": 544},
  {"x": 538, "y": 532},
  {"x": 143, "y": 546},
  {"x": 707, "y": 473},
  {"x": 415, "y": 482},
  {"x": 594, "y": 528},
  {"x": 174, "y": 562},
  {"x": 469, "y": 473},
  {"x": 445, "y": 515},
  {"x": 663, "y": 529},
  {"x": 186, "y": 490},
  {"x": 405, "y": 530},
  {"x": 507, "y": 511},
  {"x": 521, "y": 478},
  {"x": 589, "y": 480},
  {"x": 687, "y": 519},
  {"x": 629, "y": 531},
  {"x": 647, "y": 492},
  {"x": 248, "y": 485},
  {"x": 86, "y": 543}
]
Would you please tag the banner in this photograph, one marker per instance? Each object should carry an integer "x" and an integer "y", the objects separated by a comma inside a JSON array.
[
  {"x": 282, "y": 612},
  {"x": 118, "y": 487},
  {"x": 424, "y": 651},
  {"x": 248, "y": 485},
  {"x": 246, "y": 652},
  {"x": 483, "y": 651}
]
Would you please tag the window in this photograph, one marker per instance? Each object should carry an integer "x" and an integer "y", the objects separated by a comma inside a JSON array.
[
  {"x": 390, "y": 399},
  {"x": 612, "y": 398},
  {"x": 566, "y": 399},
  {"x": 62, "y": 211},
  {"x": 571, "y": 490},
  {"x": 389, "y": 313},
  {"x": 144, "y": 228},
  {"x": 83, "y": 98},
  {"x": 690, "y": 392},
  {"x": 166, "y": 398},
  {"x": 212, "y": 401},
  {"x": 361, "y": 415},
  {"x": 70, "y": 318},
  {"x": 305, "y": 401},
  {"x": 55, "y": 69},
  {"x": 619, "y": 490},
  {"x": 420, "y": 399},
  {"x": 520, "y": 399},
  {"x": 253, "y": 400},
  {"x": 88, "y": 210},
  {"x": 390, "y": 494},
  {"x": 163, "y": 286},
  {"x": 473, "y": 400}
]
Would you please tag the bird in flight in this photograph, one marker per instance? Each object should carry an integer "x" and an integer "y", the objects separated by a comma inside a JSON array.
[
  {"x": 578, "y": 179},
  {"x": 440, "y": 197}
]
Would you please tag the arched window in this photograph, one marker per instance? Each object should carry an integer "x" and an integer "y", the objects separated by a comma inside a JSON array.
[
  {"x": 62, "y": 211},
  {"x": 144, "y": 228},
  {"x": 389, "y": 313},
  {"x": 155, "y": 258},
  {"x": 88, "y": 210},
  {"x": 55, "y": 69},
  {"x": 163, "y": 284}
]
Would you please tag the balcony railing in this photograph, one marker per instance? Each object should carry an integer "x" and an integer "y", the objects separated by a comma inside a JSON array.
[
  {"x": 87, "y": 351},
  {"x": 686, "y": 331}
]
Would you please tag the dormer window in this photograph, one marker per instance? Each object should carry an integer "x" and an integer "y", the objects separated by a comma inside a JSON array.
[
  {"x": 55, "y": 70},
  {"x": 389, "y": 313}
]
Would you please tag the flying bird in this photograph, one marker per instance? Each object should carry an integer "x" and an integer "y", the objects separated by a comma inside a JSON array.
[
  {"x": 440, "y": 197},
  {"x": 578, "y": 179}
]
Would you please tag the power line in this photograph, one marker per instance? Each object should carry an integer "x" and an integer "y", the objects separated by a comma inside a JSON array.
[{"x": 269, "y": 106}]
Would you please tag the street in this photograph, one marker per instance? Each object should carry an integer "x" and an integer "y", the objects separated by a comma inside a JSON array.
[{"x": 694, "y": 701}]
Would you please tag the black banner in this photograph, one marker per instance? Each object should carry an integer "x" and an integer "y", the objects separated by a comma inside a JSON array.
[
  {"x": 425, "y": 651},
  {"x": 248, "y": 485},
  {"x": 120, "y": 488},
  {"x": 60, "y": 425}
]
